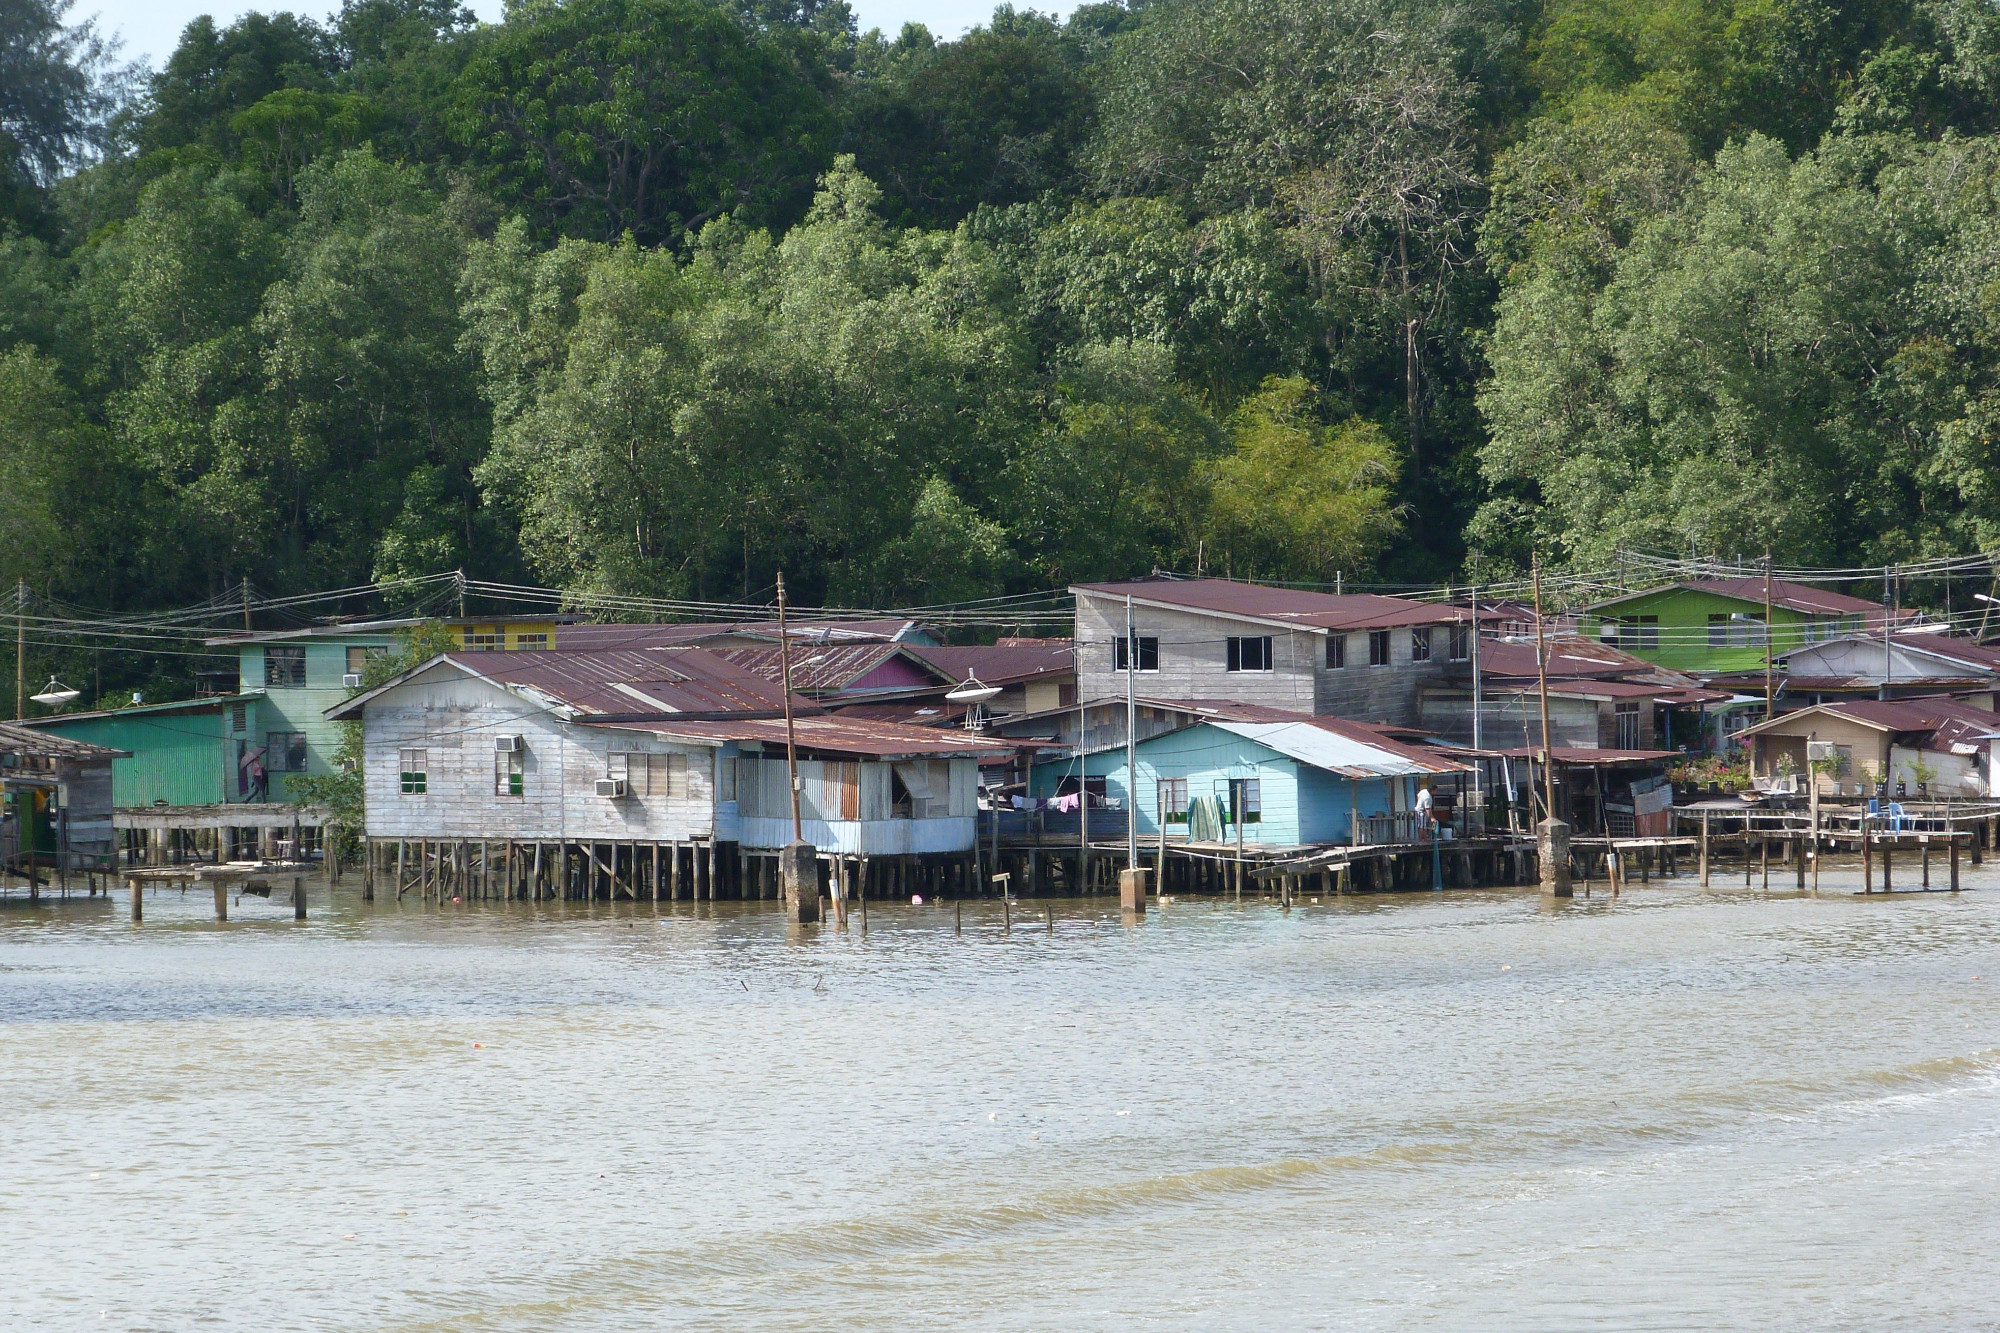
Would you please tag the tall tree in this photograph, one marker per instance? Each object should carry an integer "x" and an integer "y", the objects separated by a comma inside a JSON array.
[{"x": 651, "y": 117}]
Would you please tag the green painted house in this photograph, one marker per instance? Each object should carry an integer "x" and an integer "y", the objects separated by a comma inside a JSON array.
[
  {"x": 289, "y": 678},
  {"x": 243, "y": 748},
  {"x": 180, "y": 753},
  {"x": 1715, "y": 627}
]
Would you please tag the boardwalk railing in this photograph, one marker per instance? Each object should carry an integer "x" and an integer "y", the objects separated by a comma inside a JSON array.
[
  {"x": 1405, "y": 826},
  {"x": 1055, "y": 825}
]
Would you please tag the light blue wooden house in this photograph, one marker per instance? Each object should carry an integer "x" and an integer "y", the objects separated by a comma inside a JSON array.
[{"x": 1292, "y": 779}]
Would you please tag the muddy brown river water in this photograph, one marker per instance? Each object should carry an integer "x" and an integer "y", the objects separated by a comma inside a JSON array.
[{"x": 1460, "y": 1111}]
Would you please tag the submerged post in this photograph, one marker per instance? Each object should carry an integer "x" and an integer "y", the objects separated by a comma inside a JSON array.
[
  {"x": 798, "y": 868},
  {"x": 1552, "y": 849},
  {"x": 1132, "y": 889}
]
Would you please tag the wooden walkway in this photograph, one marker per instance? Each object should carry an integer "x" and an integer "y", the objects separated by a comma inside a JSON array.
[{"x": 220, "y": 877}]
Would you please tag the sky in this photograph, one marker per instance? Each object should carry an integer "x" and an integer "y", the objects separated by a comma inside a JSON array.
[{"x": 151, "y": 27}]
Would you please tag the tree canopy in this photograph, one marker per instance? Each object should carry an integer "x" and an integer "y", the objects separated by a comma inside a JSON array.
[{"x": 666, "y": 296}]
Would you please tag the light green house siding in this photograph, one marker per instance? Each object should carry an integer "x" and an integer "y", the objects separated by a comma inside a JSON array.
[
  {"x": 1693, "y": 630},
  {"x": 283, "y": 709},
  {"x": 181, "y": 753}
]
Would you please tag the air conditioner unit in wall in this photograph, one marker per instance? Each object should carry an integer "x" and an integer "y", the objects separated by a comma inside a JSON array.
[
  {"x": 613, "y": 787},
  {"x": 510, "y": 744},
  {"x": 351, "y": 681}
]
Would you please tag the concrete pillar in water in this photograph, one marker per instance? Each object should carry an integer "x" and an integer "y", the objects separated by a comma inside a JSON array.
[
  {"x": 1552, "y": 849},
  {"x": 1132, "y": 890},
  {"x": 798, "y": 868}
]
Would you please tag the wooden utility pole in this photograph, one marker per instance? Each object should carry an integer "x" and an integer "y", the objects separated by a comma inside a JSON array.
[
  {"x": 21, "y": 650},
  {"x": 1552, "y": 834},
  {"x": 1131, "y": 745},
  {"x": 1770, "y": 643},
  {"x": 1082, "y": 776},
  {"x": 1888, "y": 616},
  {"x": 1542, "y": 676},
  {"x": 791, "y": 734},
  {"x": 797, "y": 862}
]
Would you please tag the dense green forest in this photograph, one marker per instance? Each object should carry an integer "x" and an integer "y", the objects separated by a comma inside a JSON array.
[{"x": 664, "y": 296}]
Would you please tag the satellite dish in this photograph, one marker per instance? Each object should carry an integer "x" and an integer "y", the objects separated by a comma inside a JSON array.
[
  {"x": 54, "y": 693},
  {"x": 973, "y": 691}
]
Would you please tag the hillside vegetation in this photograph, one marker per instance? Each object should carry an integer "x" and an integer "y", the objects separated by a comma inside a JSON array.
[{"x": 664, "y": 296}]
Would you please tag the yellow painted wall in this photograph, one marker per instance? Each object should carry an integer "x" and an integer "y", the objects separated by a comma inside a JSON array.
[{"x": 509, "y": 634}]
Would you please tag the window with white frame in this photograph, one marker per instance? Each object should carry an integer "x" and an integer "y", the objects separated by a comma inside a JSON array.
[
  {"x": 1628, "y": 726},
  {"x": 1243, "y": 800},
  {"x": 1146, "y": 657},
  {"x": 1250, "y": 652},
  {"x": 416, "y": 771},
  {"x": 510, "y": 773}
]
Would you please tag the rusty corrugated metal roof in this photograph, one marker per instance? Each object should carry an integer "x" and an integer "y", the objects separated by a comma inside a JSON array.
[
  {"x": 824, "y": 666},
  {"x": 628, "y": 681},
  {"x": 1000, "y": 664},
  {"x": 829, "y": 733},
  {"x": 599, "y": 637},
  {"x": 1577, "y": 755}
]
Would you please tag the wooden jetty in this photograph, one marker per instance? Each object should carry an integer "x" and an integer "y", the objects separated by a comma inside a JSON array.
[{"x": 220, "y": 876}]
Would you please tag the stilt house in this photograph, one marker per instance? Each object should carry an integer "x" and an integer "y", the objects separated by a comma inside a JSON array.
[{"x": 650, "y": 749}]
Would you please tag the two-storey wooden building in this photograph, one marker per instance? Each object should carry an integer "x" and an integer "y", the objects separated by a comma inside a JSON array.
[{"x": 1357, "y": 655}]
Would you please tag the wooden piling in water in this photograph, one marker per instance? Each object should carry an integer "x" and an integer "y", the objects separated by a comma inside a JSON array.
[{"x": 1704, "y": 849}]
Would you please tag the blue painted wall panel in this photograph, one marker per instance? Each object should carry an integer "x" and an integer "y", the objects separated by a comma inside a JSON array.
[{"x": 1301, "y": 804}]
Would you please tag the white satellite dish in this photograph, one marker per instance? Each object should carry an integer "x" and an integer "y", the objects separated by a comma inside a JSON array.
[
  {"x": 973, "y": 691},
  {"x": 54, "y": 693}
]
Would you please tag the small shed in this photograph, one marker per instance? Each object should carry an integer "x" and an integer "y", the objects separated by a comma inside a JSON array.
[{"x": 55, "y": 802}]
